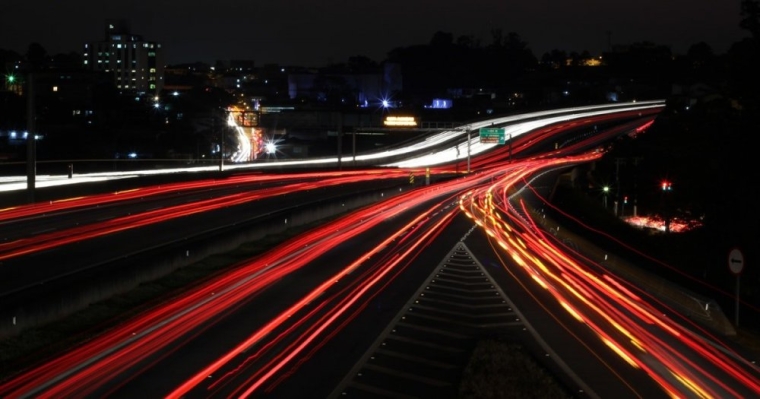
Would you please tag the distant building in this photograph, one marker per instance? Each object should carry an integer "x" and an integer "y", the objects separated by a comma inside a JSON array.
[
  {"x": 137, "y": 65},
  {"x": 185, "y": 77},
  {"x": 246, "y": 66},
  {"x": 369, "y": 88}
]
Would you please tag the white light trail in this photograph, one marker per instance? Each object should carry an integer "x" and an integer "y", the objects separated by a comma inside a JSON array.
[{"x": 515, "y": 125}]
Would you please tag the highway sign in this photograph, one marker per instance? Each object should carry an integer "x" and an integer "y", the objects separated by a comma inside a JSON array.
[
  {"x": 735, "y": 261},
  {"x": 492, "y": 135}
]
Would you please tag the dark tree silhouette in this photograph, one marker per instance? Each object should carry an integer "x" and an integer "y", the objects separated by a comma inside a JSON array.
[
  {"x": 36, "y": 56},
  {"x": 750, "y": 12},
  {"x": 442, "y": 39},
  {"x": 467, "y": 41}
]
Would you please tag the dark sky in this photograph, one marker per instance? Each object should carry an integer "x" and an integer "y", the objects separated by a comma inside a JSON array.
[{"x": 317, "y": 32}]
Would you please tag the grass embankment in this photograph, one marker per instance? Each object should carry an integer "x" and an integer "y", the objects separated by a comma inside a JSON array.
[
  {"x": 500, "y": 369},
  {"x": 687, "y": 253}
]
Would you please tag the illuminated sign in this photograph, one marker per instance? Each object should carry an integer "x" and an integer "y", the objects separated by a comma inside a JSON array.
[
  {"x": 492, "y": 135},
  {"x": 400, "y": 121}
]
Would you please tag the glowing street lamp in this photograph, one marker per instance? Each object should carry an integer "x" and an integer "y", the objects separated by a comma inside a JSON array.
[
  {"x": 270, "y": 147},
  {"x": 667, "y": 186}
]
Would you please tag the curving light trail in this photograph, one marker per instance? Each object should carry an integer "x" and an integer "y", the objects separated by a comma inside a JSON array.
[
  {"x": 244, "y": 151},
  {"x": 86, "y": 369},
  {"x": 44, "y": 241},
  {"x": 518, "y": 125},
  {"x": 627, "y": 321},
  {"x": 681, "y": 361}
]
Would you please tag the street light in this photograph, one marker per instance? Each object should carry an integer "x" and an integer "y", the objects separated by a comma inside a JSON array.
[
  {"x": 606, "y": 190},
  {"x": 666, "y": 186}
]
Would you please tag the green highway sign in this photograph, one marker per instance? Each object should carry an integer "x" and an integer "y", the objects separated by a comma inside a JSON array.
[{"x": 492, "y": 135}]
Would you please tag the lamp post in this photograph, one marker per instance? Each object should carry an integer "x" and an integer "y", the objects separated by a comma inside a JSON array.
[
  {"x": 667, "y": 187},
  {"x": 606, "y": 191},
  {"x": 467, "y": 130},
  {"x": 31, "y": 144}
]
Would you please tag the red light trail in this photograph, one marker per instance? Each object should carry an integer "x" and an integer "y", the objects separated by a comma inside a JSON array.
[{"x": 680, "y": 360}]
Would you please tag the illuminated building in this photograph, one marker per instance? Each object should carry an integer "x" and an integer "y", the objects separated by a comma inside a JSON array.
[{"x": 136, "y": 64}]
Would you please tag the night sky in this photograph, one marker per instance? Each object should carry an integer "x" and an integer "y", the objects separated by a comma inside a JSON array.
[{"x": 318, "y": 32}]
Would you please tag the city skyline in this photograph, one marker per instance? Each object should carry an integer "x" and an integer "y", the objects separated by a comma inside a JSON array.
[{"x": 301, "y": 33}]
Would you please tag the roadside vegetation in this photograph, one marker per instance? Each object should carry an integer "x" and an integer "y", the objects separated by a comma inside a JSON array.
[{"x": 502, "y": 369}]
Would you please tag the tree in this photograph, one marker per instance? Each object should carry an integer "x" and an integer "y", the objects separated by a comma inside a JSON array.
[
  {"x": 467, "y": 41},
  {"x": 71, "y": 60},
  {"x": 36, "y": 56},
  {"x": 750, "y": 12},
  {"x": 442, "y": 39},
  {"x": 554, "y": 59},
  {"x": 361, "y": 63}
]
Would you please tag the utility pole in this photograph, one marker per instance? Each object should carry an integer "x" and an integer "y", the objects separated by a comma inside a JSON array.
[
  {"x": 31, "y": 143},
  {"x": 221, "y": 147},
  {"x": 467, "y": 129},
  {"x": 618, "y": 162},
  {"x": 609, "y": 40},
  {"x": 340, "y": 138},
  {"x": 636, "y": 161}
]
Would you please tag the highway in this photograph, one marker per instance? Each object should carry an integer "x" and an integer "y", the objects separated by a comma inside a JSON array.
[
  {"x": 436, "y": 149},
  {"x": 300, "y": 318}
]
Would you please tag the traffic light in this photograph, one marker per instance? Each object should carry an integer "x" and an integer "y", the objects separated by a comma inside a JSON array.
[
  {"x": 625, "y": 199},
  {"x": 666, "y": 185}
]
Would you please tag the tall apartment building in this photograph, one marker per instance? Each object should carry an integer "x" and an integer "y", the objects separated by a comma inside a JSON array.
[{"x": 137, "y": 65}]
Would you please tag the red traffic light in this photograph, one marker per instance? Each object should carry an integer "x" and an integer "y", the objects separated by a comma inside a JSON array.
[{"x": 666, "y": 185}]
